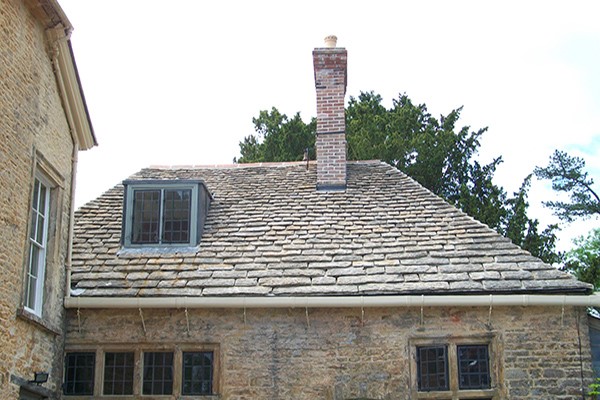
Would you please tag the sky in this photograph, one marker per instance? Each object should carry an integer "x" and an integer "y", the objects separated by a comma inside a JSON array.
[{"x": 178, "y": 82}]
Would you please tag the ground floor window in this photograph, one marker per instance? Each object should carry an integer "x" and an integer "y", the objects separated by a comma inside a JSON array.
[
  {"x": 148, "y": 371},
  {"x": 473, "y": 366},
  {"x": 158, "y": 373},
  {"x": 197, "y": 372},
  {"x": 79, "y": 373},
  {"x": 454, "y": 368},
  {"x": 432, "y": 363},
  {"x": 118, "y": 373}
]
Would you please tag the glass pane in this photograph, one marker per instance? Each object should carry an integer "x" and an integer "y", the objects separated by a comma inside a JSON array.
[
  {"x": 79, "y": 373},
  {"x": 38, "y": 212},
  {"x": 146, "y": 215},
  {"x": 33, "y": 226},
  {"x": 36, "y": 194},
  {"x": 42, "y": 206},
  {"x": 473, "y": 367},
  {"x": 34, "y": 261},
  {"x": 40, "y": 230},
  {"x": 432, "y": 368},
  {"x": 176, "y": 216},
  {"x": 197, "y": 373},
  {"x": 118, "y": 373},
  {"x": 158, "y": 373}
]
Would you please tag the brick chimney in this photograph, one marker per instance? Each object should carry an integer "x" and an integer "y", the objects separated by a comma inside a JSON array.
[{"x": 330, "y": 65}]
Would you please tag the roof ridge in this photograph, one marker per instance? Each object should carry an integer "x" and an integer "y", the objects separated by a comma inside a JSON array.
[{"x": 249, "y": 165}]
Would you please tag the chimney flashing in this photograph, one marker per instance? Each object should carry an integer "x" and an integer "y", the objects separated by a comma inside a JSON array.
[{"x": 331, "y": 188}]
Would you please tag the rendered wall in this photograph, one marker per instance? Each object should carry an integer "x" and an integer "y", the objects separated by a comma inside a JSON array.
[
  {"x": 33, "y": 129},
  {"x": 336, "y": 354}
]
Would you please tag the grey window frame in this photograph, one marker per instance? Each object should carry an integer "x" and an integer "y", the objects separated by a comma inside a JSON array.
[{"x": 131, "y": 186}]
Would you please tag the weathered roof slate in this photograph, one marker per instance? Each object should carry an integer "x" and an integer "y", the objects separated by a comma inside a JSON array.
[{"x": 270, "y": 233}]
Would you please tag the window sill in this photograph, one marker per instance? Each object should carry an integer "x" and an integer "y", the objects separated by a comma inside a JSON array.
[
  {"x": 134, "y": 252},
  {"x": 28, "y": 316},
  {"x": 462, "y": 394},
  {"x": 144, "y": 397}
]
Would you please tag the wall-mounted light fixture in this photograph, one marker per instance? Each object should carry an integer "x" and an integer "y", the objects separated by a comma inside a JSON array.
[{"x": 39, "y": 378}]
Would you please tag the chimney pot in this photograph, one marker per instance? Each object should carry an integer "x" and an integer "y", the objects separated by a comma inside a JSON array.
[{"x": 330, "y": 41}]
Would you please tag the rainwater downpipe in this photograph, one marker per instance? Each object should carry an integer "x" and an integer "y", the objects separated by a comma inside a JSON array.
[
  {"x": 60, "y": 34},
  {"x": 69, "y": 259}
]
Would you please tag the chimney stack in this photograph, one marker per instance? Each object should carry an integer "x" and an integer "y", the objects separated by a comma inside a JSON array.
[{"x": 330, "y": 65}]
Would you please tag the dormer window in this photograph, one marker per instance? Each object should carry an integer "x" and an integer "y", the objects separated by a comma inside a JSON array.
[{"x": 159, "y": 213}]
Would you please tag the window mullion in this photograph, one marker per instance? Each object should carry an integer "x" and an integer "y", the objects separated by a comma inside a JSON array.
[
  {"x": 99, "y": 373},
  {"x": 177, "y": 372},
  {"x": 453, "y": 369},
  {"x": 161, "y": 215},
  {"x": 138, "y": 371}
]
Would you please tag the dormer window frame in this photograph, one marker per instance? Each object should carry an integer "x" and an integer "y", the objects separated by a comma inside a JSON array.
[{"x": 161, "y": 188}]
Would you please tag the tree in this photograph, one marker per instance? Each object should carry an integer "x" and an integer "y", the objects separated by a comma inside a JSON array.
[
  {"x": 479, "y": 197},
  {"x": 567, "y": 175},
  {"x": 407, "y": 136},
  {"x": 584, "y": 260},
  {"x": 432, "y": 151},
  {"x": 278, "y": 138},
  {"x": 523, "y": 231}
]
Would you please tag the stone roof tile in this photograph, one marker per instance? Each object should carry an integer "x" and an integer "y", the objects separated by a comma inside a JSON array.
[{"x": 269, "y": 232}]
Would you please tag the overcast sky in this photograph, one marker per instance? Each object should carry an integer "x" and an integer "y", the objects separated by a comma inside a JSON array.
[{"x": 178, "y": 82}]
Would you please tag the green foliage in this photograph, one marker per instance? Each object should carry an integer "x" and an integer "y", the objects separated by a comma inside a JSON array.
[
  {"x": 523, "y": 231},
  {"x": 434, "y": 152},
  {"x": 406, "y": 136},
  {"x": 594, "y": 387},
  {"x": 278, "y": 138},
  {"x": 542, "y": 244},
  {"x": 584, "y": 259},
  {"x": 479, "y": 197},
  {"x": 567, "y": 175}
]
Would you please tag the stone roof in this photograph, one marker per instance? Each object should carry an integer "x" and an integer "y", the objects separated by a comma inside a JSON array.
[{"x": 270, "y": 233}]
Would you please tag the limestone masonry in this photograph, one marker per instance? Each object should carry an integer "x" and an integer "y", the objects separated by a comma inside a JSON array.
[{"x": 36, "y": 144}]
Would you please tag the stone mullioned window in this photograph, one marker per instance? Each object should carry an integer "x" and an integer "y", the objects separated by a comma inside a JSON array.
[
  {"x": 159, "y": 371},
  {"x": 454, "y": 368}
]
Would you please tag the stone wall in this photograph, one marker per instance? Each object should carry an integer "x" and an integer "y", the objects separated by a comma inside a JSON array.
[
  {"x": 33, "y": 130},
  {"x": 341, "y": 354}
]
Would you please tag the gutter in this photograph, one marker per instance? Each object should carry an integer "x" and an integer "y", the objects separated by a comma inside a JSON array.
[
  {"x": 334, "y": 301},
  {"x": 69, "y": 88}
]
